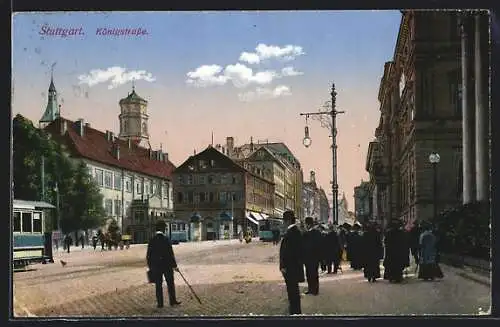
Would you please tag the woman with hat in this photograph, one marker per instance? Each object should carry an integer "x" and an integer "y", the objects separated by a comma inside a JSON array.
[
  {"x": 373, "y": 251},
  {"x": 428, "y": 267},
  {"x": 396, "y": 252}
]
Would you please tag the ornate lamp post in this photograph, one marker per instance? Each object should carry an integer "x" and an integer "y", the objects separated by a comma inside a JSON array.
[
  {"x": 434, "y": 159},
  {"x": 331, "y": 124}
]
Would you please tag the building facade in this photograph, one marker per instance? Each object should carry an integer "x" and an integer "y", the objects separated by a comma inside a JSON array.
[
  {"x": 218, "y": 198},
  {"x": 421, "y": 102},
  {"x": 363, "y": 202},
  {"x": 311, "y": 198},
  {"x": 324, "y": 207},
  {"x": 293, "y": 175},
  {"x": 135, "y": 181}
]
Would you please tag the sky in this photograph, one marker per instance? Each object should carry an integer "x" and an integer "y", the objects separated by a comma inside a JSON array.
[{"x": 241, "y": 74}]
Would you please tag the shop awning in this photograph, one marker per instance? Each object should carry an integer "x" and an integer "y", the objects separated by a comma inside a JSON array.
[
  {"x": 249, "y": 217},
  {"x": 265, "y": 216},
  {"x": 224, "y": 216},
  {"x": 257, "y": 216}
]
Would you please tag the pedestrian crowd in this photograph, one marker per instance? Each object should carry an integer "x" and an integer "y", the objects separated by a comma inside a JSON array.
[{"x": 318, "y": 247}]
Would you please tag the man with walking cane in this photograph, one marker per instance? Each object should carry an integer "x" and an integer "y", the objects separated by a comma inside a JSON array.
[
  {"x": 291, "y": 263},
  {"x": 161, "y": 262}
]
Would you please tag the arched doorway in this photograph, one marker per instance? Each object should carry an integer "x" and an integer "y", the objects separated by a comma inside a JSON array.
[{"x": 210, "y": 229}]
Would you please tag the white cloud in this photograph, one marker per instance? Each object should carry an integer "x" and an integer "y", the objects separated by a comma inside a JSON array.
[
  {"x": 263, "y": 52},
  {"x": 206, "y": 76},
  {"x": 290, "y": 71},
  {"x": 115, "y": 76},
  {"x": 265, "y": 93},
  {"x": 239, "y": 74}
]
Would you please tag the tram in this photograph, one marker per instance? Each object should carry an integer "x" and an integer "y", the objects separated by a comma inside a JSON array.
[
  {"x": 266, "y": 228},
  {"x": 31, "y": 244},
  {"x": 178, "y": 231}
]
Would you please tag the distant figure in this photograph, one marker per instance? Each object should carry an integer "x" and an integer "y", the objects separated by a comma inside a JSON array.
[
  {"x": 82, "y": 240},
  {"x": 276, "y": 235},
  {"x": 428, "y": 265},
  {"x": 333, "y": 251},
  {"x": 291, "y": 263},
  {"x": 240, "y": 236},
  {"x": 161, "y": 262},
  {"x": 94, "y": 241},
  {"x": 373, "y": 252},
  {"x": 311, "y": 244},
  {"x": 67, "y": 242},
  {"x": 396, "y": 252}
]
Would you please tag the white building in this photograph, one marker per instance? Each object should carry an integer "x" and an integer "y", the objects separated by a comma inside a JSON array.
[{"x": 135, "y": 181}]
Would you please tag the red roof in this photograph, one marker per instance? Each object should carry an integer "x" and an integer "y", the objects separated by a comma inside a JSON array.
[{"x": 94, "y": 145}]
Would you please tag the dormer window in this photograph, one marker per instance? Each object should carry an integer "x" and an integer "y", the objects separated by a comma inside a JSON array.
[{"x": 212, "y": 163}]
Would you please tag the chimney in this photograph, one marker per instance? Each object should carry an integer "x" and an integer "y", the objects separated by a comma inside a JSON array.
[
  {"x": 230, "y": 145},
  {"x": 165, "y": 157},
  {"x": 251, "y": 143},
  {"x": 80, "y": 126},
  {"x": 64, "y": 126},
  {"x": 117, "y": 151},
  {"x": 223, "y": 150},
  {"x": 312, "y": 177}
]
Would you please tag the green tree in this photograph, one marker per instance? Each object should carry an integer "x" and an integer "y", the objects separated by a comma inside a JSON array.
[{"x": 80, "y": 200}]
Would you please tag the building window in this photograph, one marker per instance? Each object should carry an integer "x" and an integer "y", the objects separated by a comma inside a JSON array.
[
  {"x": 37, "y": 222},
  {"x": 138, "y": 216},
  {"x": 138, "y": 188},
  {"x": 222, "y": 196},
  {"x": 127, "y": 208},
  {"x": 180, "y": 179},
  {"x": 17, "y": 221},
  {"x": 203, "y": 197},
  {"x": 26, "y": 222},
  {"x": 118, "y": 207},
  {"x": 211, "y": 197},
  {"x": 128, "y": 185},
  {"x": 210, "y": 179},
  {"x": 234, "y": 180},
  {"x": 190, "y": 179},
  {"x": 202, "y": 164},
  {"x": 202, "y": 180},
  {"x": 212, "y": 163},
  {"x": 180, "y": 197},
  {"x": 108, "y": 206},
  {"x": 167, "y": 191},
  {"x": 190, "y": 197},
  {"x": 118, "y": 181},
  {"x": 152, "y": 187},
  {"x": 99, "y": 177},
  {"x": 108, "y": 179}
]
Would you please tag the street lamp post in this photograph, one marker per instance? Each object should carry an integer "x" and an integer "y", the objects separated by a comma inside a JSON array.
[
  {"x": 331, "y": 124},
  {"x": 434, "y": 159},
  {"x": 56, "y": 189}
]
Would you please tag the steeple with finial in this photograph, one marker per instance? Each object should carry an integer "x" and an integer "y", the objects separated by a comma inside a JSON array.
[{"x": 52, "y": 111}]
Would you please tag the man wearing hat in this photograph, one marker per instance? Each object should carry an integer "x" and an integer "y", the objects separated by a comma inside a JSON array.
[
  {"x": 312, "y": 255},
  {"x": 291, "y": 264},
  {"x": 161, "y": 262}
]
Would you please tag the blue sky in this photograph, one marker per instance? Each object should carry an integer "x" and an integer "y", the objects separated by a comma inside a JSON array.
[{"x": 349, "y": 47}]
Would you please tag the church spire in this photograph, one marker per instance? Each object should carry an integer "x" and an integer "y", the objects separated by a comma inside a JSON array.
[{"x": 52, "y": 110}]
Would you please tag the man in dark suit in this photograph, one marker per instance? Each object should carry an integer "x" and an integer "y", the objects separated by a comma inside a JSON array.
[
  {"x": 312, "y": 255},
  {"x": 291, "y": 265},
  {"x": 161, "y": 262}
]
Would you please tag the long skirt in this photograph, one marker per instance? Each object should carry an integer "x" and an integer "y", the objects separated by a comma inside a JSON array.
[
  {"x": 393, "y": 272},
  {"x": 372, "y": 269},
  {"x": 429, "y": 271}
]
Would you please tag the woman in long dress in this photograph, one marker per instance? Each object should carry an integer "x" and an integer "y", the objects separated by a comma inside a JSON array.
[
  {"x": 372, "y": 253},
  {"x": 428, "y": 267}
]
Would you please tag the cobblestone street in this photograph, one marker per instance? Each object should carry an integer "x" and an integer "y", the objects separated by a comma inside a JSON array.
[{"x": 231, "y": 279}]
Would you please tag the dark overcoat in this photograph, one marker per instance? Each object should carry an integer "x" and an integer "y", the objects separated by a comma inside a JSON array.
[{"x": 291, "y": 251}]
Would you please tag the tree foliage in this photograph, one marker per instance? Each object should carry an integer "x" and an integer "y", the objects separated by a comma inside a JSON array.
[{"x": 80, "y": 201}]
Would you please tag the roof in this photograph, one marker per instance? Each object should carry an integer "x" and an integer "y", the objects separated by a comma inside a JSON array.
[
  {"x": 228, "y": 162},
  {"x": 133, "y": 97},
  {"x": 94, "y": 146},
  {"x": 271, "y": 153},
  {"x": 25, "y": 204},
  {"x": 281, "y": 148}
]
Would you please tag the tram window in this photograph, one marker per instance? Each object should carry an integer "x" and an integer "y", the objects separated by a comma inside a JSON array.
[
  {"x": 182, "y": 227},
  {"x": 174, "y": 227},
  {"x": 37, "y": 223},
  {"x": 17, "y": 221},
  {"x": 27, "y": 227}
]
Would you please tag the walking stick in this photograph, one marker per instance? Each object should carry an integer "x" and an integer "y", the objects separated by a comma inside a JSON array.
[{"x": 189, "y": 286}]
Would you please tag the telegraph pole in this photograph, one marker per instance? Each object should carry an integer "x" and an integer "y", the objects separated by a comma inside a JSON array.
[{"x": 333, "y": 130}]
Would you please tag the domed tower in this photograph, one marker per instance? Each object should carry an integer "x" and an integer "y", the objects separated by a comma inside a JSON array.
[
  {"x": 52, "y": 110},
  {"x": 134, "y": 119}
]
